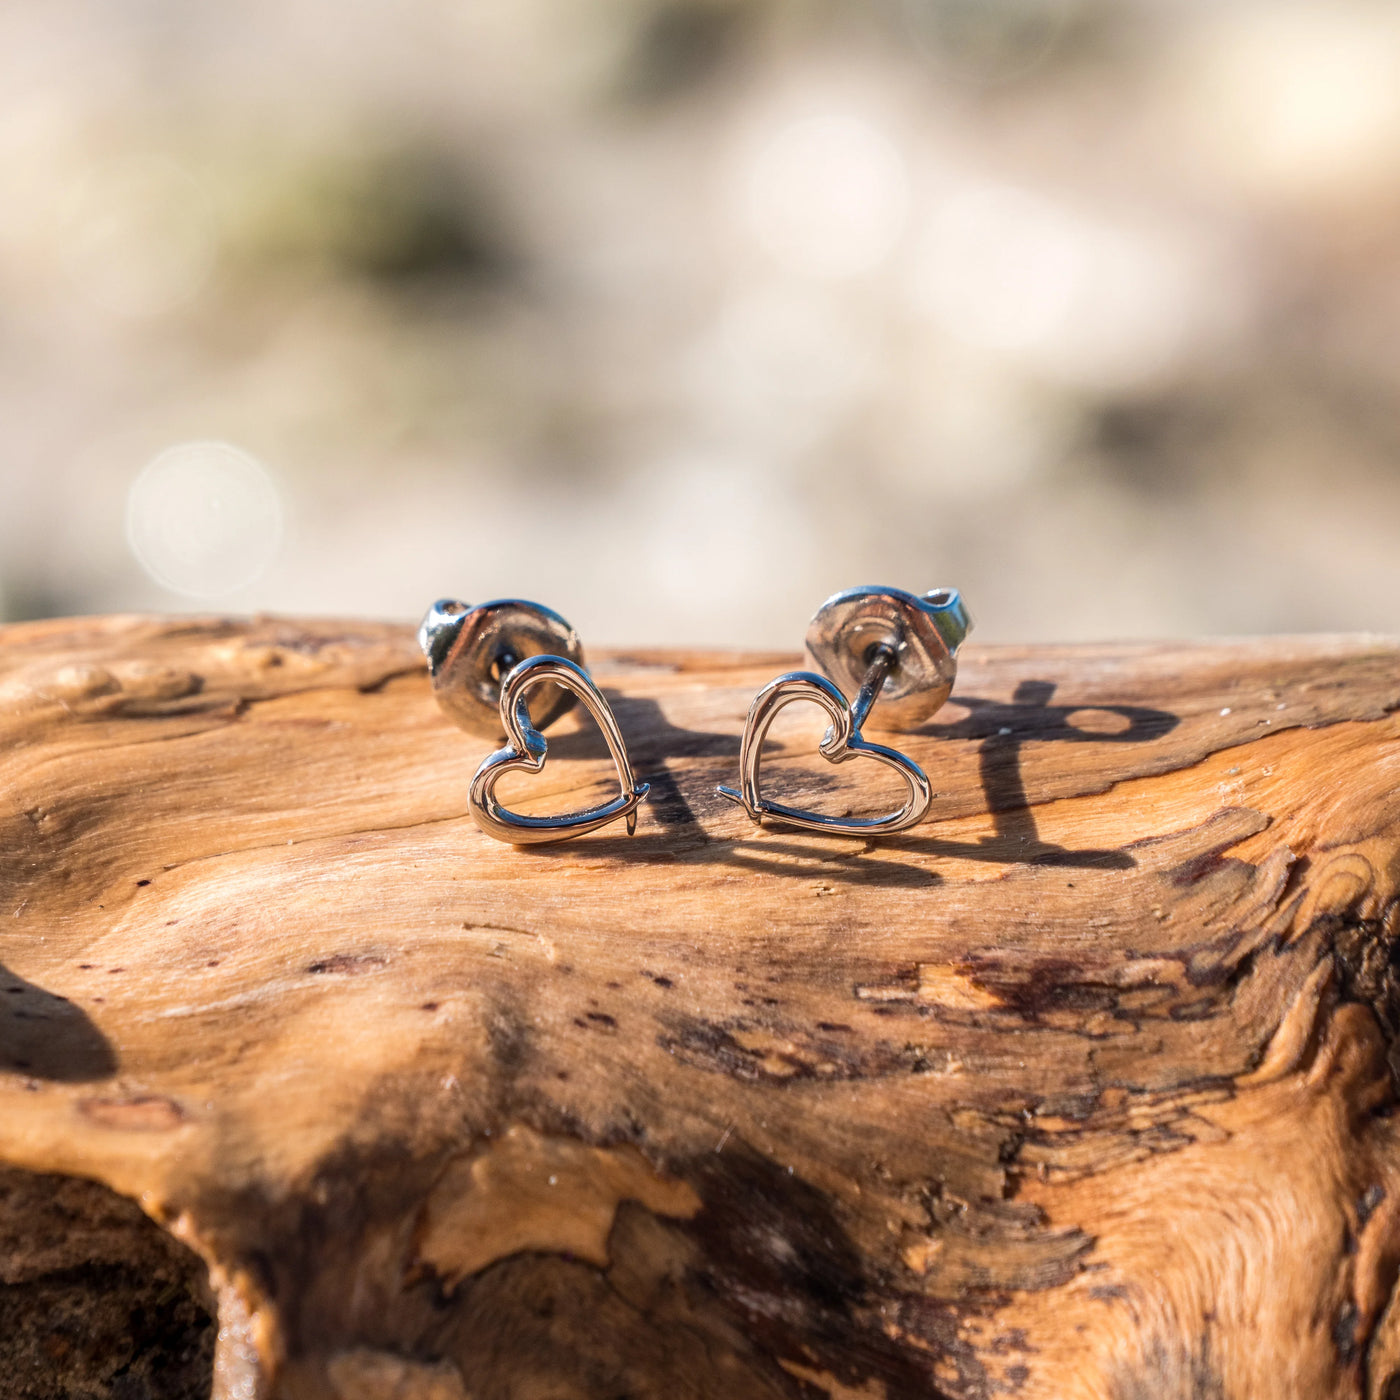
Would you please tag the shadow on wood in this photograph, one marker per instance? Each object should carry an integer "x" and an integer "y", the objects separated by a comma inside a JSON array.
[{"x": 1083, "y": 1090}]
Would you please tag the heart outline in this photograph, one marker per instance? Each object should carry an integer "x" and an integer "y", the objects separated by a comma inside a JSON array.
[
  {"x": 841, "y": 743},
  {"x": 527, "y": 749}
]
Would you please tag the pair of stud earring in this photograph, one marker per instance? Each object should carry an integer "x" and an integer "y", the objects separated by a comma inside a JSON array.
[{"x": 872, "y": 644}]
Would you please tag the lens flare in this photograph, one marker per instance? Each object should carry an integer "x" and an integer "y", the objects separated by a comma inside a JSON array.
[{"x": 204, "y": 519}]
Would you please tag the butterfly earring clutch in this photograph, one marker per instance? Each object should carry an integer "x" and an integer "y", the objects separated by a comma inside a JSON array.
[
  {"x": 486, "y": 662},
  {"x": 874, "y": 645}
]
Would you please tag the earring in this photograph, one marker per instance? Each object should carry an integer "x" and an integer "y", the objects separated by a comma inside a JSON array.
[
  {"x": 875, "y": 644},
  {"x": 485, "y": 661}
]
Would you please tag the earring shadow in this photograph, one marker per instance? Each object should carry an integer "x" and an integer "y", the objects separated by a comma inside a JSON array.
[
  {"x": 797, "y": 861},
  {"x": 849, "y": 868},
  {"x": 1002, "y": 729},
  {"x": 652, "y": 740}
]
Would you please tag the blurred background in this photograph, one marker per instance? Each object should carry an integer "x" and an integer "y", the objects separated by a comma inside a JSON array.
[{"x": 679, "y": 315}]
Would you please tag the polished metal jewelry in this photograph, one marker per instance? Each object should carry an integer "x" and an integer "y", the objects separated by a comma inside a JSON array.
[
  {"x": 485, "y": 662},
  {"x": 876, "y": 644}
]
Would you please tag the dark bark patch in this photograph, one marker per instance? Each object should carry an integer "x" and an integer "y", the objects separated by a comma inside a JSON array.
[
  {"x": 1169, "y": 1371},
  {"x": 96, "y": 1300},
  {"x": 348, "y": 964}
]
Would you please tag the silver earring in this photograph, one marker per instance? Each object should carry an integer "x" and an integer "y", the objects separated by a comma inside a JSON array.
[
  {"x": 875, "y": 644},
  {"x": 485, "y": 661}
]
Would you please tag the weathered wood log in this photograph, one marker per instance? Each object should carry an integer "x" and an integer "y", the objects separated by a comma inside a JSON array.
[{"x": 1083, "y": 1090}]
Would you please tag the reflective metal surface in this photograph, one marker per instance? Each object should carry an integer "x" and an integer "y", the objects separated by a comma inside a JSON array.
[
  {"x": 469, "y": 650},
  {"x": 527, "y": 750},
  {"x": 924, "y": 633},
  {"x": 877, "y": 645},
  {"x": 841, "y": 743}
]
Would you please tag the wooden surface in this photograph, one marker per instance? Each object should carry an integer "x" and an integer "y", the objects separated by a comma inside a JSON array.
[{"x": 1082, "y": 1089}]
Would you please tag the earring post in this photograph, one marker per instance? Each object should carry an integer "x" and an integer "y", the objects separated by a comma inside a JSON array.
[
  {"x": 882, "y": 660},
  {"x": 504, "y": 664}
]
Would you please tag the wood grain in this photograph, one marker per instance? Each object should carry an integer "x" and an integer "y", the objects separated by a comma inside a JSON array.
[{"x": 1082, "y": 1090}]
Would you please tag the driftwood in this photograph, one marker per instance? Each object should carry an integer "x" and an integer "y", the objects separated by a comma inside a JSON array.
[{"x": 1084, "y": 1088}]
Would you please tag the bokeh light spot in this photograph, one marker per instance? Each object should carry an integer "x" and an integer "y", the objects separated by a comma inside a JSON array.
[
  {"x": 1298, "y": 100},
  {"x": 1001, "y": 267},
  {"x": 828, "y": 196},
  {"x": 1075, "y": 298},
  {"x": 204, "y": 519},
  {"x": 141, "y": 238},
  {"x": 989, "y": 40}
]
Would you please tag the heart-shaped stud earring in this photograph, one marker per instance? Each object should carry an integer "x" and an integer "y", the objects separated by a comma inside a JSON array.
[
  {"x": 485, "y": 661},
  {"x": 874, "y": 644}
]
